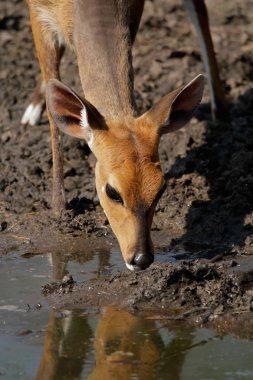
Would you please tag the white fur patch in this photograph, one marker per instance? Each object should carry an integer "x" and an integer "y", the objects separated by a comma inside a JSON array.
[
  {"x": 88, "y": 133},
  {"x": 102, "y": 189},
  {"x": 32, "y": 114},
  {"x": 130, "y": 267},
  {"x": 50, "y": 27}
]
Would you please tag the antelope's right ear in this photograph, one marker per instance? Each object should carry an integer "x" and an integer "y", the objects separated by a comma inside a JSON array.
[
  {"x": 174, "y": 110},
  {"x": 71, "y": 114}
]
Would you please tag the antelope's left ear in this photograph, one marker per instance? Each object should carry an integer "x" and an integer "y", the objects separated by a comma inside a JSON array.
[
  {"x": 71, "y": 114},
  {"x": 174, "y": 110}
]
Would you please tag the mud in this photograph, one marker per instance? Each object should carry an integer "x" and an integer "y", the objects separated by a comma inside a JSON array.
[
  {"x": 206, "y": 211},
  {"x": 198, "y": 291}
]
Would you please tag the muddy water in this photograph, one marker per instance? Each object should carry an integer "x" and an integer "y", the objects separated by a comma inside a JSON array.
[{"x": 37, "y": 342}]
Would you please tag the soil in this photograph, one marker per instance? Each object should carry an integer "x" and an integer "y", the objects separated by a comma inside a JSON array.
[
  {"x": 199, "y": 290},
  {"x": 206, "y": 213}
]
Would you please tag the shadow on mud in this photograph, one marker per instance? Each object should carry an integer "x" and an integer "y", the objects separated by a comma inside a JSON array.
[{"x": 224, "y": 221}]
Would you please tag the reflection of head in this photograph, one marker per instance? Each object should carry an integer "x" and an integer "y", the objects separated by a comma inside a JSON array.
[
  {"x": 122, "y": 347},
  {"x": 126, "y": 346}
]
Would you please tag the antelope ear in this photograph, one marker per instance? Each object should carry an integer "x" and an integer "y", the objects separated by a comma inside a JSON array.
[
  {"x": 71, "y": 114},
  {"x": 174, "y": 110}
]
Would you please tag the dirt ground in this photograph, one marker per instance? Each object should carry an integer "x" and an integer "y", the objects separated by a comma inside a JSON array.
[{"x": 206, "y": 213}]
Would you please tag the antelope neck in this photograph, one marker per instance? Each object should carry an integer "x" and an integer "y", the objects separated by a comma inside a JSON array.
[{"x": 101, "y": 38}]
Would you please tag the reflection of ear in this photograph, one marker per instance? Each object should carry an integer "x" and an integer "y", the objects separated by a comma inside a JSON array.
[
  {"x": 174, "y": 110},
  {"x": 71, "y": 114}
]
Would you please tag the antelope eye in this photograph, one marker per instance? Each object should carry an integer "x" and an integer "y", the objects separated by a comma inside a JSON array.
[{"x": 113, "y": 194}]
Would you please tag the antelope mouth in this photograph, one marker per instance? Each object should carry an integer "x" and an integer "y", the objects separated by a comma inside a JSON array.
[
  {"x": 131, "y": 267},
  {"x": 140, "y": 264}
]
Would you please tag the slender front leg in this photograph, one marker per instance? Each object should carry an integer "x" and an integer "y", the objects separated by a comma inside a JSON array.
[
  {"x": 199, "y": 16},
  {"x": 49, "y": 54}
]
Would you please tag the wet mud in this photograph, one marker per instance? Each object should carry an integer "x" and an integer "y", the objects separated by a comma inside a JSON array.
[
  {"x": 206, "y": 214},
  {"x": 199, "y": 291}
]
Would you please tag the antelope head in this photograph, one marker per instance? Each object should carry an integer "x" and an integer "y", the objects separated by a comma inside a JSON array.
[{"x": 129, "y": 178}]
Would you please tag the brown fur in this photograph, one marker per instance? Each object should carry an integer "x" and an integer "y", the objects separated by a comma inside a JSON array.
[
  {"x": 137, "y": 176},
  {"x": 126, "y": 147},
  {"x": 103, "y": 47}
]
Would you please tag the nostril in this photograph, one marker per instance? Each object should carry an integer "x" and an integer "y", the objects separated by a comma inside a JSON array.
[{"x": 143, "y": 261}]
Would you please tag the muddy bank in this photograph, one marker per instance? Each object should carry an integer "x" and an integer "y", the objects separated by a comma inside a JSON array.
[{"x": 197, "y": 291}]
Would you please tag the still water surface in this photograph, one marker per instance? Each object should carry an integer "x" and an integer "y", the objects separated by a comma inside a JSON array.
[{"x": 39, "y": 343}]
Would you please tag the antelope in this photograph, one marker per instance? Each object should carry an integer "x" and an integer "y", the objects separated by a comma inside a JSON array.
[{"x": 128, "y": 175}]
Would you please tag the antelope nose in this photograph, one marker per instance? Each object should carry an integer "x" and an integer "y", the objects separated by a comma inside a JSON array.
[{"x": 143, "y": 261}]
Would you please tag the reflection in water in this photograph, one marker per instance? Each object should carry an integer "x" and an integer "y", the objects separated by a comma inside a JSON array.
[
  {"x": 67, "y": 343},
  {"x": 113, "y": 345},
  {"x": 121, "y": 345},
  {"x": 126, "y": 347}
]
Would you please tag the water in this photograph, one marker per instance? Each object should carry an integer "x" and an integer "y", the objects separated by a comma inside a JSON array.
[{"x": 39, "y": 343}]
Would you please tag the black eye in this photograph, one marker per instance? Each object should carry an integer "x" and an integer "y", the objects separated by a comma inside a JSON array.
[{"x": 113, "y": 194}]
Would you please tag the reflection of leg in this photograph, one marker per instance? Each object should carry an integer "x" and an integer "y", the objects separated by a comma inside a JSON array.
[
  {"x": 34, "y": 111},
  {"x": 199, "y": 16},
  {"x": 66, "y": 346},
  {"x": 59, "y": 263},
  {"x": 49, "y": 54},
  {"x": 103, "y": 260},
  {"x": 174, "y": 354}
]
